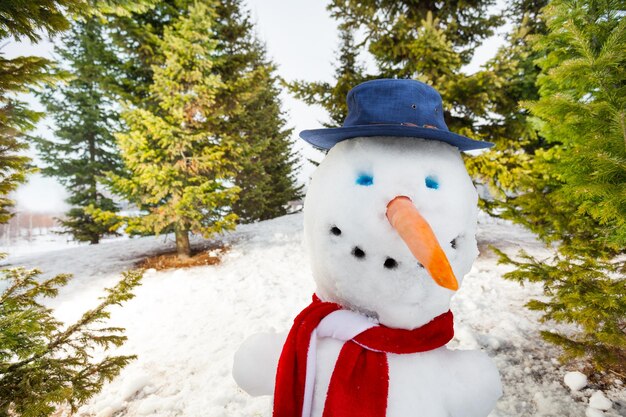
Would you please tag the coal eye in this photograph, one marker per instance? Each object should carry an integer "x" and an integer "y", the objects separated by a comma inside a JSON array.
[
  {"x": 390, "y": 263},
  {"x": 358, "y": 252},
  {"x": 431, "y": 182},
  {"x": 365, "y": 179}
]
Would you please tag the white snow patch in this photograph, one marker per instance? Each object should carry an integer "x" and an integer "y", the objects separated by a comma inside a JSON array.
[
  {"x": 593, "y": 412},
  {"x": 106, "y": 412},
  {"x": 133, "y": 385},
  {"x": 186, "y": 325},
  {"x": 599, "y": 401},
  {"x": 545, "y": 404},
  {"x": 575, "y": 380}
]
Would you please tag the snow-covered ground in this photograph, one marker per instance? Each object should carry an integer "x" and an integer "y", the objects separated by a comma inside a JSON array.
[{"x": 186, "y": 324}]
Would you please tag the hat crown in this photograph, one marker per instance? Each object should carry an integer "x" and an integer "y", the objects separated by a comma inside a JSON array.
[
  {"x": 395, "y": 102},
  {"x": 392, "y": 107}
]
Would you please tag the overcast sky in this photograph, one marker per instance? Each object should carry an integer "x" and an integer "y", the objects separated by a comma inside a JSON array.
[{"x": 300, "y": 37}]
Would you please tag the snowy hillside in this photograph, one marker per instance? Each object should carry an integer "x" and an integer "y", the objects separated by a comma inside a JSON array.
[{"x": 186, "y": 324}]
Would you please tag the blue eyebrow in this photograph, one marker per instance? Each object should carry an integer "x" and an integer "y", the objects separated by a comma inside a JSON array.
[
  {"x": 365, "y": 179},
  {"x": 431, "y": 182}
]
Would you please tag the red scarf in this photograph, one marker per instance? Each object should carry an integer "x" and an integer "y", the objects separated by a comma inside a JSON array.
[{"x": 360, "y": 381}]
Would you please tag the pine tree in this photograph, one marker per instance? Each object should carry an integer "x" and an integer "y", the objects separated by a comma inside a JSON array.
[
  {"x": 513, "y": 79},
  {"x": 17, "y": 75},
  {"x": 32, "y": 20},
  {"x": 134, "y": 39},
  {"x": 429, "y": 41},
  {"x": 266, "y": 165},
  {"x": 15, "y": 120},
  {"x": 84, "y": 147},
  {"x": 391, "y": 26},
  {"x": 575, "y": 193},
  {"x": 181, "y": 162},
  {"x": 44, "y": 363},
  {"x": 266, "y": 178}
]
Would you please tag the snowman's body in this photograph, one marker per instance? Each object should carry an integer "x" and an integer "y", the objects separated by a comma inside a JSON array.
[
  {"x": 362, "y": 264},
  {"x": 438, "y": 383}
]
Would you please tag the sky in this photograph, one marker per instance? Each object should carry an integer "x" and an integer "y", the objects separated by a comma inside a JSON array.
[{"x": 300, "y": 37}]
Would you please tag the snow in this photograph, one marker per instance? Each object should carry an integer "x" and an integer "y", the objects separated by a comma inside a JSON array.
[
  {"x": 185, "y": 325},
  {"x": 47, "y": 241},
  {"x": 575, "y": 380},
  {"x": 592, "y": 412},
  {"x": 599, "y": 401}
]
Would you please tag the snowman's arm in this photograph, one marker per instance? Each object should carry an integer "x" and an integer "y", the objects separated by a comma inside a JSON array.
[
  {"x": 256, "y": 360},
  {"x": 475, "y": 384}
]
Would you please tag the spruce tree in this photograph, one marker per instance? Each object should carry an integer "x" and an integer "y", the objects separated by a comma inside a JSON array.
[
  {"x": 32, "y": 20},
  {"x": 22, "y": 21},
  {"x": 266, "y": 177},
  {"x": 181, "y": 163},
  {"x": 429, "y": 41},
  {"x": 44, "y": 364},
  {"x": 15, "y": 120},
  {"x": 83, "y": 148},
  {"x": 392, "y": 27},
  {"x": 134, "y": 39},
  {"x": 513, "y": 75},
  {"x": 266, "y": 161},
  {"x": 575, "y": 191}
]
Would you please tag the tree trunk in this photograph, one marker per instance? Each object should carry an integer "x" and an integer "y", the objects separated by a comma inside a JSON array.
[
  {"x": 183, "y": 248},
  {"x": 93, "y": 187}
]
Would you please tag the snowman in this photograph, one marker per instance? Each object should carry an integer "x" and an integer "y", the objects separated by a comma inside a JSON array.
[{"x": 390, "y": 223}]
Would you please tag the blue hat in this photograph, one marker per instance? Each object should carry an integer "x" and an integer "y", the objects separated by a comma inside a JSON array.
[{"x": 390, "y": 107}]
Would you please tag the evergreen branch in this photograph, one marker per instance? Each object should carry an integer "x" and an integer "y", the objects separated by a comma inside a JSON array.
[
  {"x": 41, "y": 365},
  {"x": 116, "y": 295},
  {"x": 121, "y": 292}
]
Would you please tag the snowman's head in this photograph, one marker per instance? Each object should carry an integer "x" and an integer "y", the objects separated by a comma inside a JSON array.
[{"x": 359, "y": 259}]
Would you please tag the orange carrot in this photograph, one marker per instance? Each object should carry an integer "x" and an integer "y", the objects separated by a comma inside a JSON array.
[{"x": 421, "y": 241}]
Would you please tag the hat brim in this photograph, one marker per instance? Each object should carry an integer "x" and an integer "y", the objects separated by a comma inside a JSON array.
[{"x": 327, "y": 138}]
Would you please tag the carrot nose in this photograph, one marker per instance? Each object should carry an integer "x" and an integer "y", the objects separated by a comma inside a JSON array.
[{"x": 421, "y": 241}]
